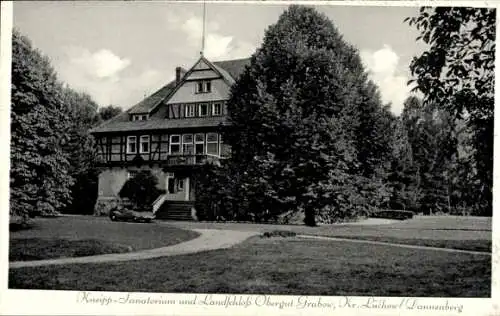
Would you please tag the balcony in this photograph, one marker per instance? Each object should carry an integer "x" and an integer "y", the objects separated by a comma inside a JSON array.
[{"x": 191, "y": 160}]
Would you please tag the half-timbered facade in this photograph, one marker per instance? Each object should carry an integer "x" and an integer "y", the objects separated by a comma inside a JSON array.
[{"x": 170, "y": 133}]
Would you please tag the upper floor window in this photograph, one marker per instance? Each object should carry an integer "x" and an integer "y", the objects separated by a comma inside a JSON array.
[
  {"x": 144, "y": 144},
  {"x": 203, "y": 110},
  {"x": 187, "y": 144},
  {"x": 204, "y": 86},
  {"x": 212, "y": 144},
  {"x": 199, "y": 144},
  {"x": 175, "y": 144},
  {"x": 216, "y": 109},
  {"x": 131, "y": 145},
  {"x": 190, "y": 110}
]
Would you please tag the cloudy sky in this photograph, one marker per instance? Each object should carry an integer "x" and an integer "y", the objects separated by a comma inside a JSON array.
[{"x": 120, "y": 51}]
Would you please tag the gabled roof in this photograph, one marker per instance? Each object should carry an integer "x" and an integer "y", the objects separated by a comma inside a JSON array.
[
  {"x": 151, "y": 101},
  {"x": 234, "y": 67},
  {"x": 229, "y": 69}
]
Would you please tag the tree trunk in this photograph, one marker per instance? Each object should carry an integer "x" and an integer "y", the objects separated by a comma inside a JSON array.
[{"x": 309, "y": 218}]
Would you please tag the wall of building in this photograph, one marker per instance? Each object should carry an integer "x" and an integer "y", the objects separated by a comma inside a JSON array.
[{"x": 111, "y": 180}]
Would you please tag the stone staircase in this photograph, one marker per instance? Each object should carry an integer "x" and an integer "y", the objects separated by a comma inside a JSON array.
[{"x": 176, "y": 210}]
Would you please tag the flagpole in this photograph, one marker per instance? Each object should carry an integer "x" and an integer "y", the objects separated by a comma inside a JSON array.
[{"x": 203, "y": 34}]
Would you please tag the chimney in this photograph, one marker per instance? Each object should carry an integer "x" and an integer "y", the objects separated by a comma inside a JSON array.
[{"x": 179, "y": 73}]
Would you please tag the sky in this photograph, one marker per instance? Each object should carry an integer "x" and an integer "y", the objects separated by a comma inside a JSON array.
[{"x": 119, "y": 52}]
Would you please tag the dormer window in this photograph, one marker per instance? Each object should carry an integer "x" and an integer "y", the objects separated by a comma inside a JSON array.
[
  {"x": 139, "y": 117},
  {"x": 204, "y": 86}
]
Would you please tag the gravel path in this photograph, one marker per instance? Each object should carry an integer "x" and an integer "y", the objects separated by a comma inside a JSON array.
[{"x": 210, "y": 239}]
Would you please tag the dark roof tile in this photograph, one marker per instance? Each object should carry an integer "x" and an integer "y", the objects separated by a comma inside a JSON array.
[{"x": 161, "y": 124}]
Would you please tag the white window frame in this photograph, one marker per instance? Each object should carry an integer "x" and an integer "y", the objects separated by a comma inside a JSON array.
[
  {"x": 220, "y": 109},
  {"x": 187, "y": 143},
  {"x": 202, "y": 86},
  {"x": 170, "y": 143},
  {"x": 129, "y": 142},
  {"x": 144, "y": 139},
  {"x": 212, "y": 142},
  {"x": 206, "y": 85},
  {"x": 200, "y": 142},
  {"x": 188, "y": 112},
  {"x": 199, "y": 109}
]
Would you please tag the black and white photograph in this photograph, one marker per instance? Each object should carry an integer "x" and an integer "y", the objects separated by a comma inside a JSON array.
[{"x": 290, "y": 156}]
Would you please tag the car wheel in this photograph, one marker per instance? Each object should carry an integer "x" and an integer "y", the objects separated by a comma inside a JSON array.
[{"x": 113, "y": 218}]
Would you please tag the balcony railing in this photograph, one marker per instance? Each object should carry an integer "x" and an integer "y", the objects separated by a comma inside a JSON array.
[{"x": 191, "y": 160}]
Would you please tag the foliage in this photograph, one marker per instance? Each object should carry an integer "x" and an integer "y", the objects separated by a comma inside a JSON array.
[
  {"x": 309, "y": 128},
  {"x": 39, "y": 175},
  {"x": 110, "y": 111},
  {"x": 81, "y": 149},
  {"x": 392, "y": 214},
  {"x": 457, "y": 73},
  {"x": 141, "y": 190}
]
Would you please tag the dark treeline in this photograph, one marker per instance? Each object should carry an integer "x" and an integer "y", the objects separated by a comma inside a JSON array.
[{"x": 53, "y": 161}]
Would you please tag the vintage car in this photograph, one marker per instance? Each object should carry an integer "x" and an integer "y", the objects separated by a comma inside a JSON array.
[{"x": 127, "y": 215}]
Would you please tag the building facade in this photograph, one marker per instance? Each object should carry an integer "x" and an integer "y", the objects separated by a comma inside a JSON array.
[{"x": 170, "y": 133}]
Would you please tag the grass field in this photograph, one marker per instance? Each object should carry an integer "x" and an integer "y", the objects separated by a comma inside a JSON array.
[
  {"x": 467, "y": 233},
  {"x": 280, "y": 266},
  {"x": 292, "y": 265},
  {"x": 83, "y": 236}
]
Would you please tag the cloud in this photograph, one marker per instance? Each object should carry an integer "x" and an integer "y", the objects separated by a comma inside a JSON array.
[
  {"x": 102, "y": 75},
  {"x": 217, "y": 44},
  {"x": 382, "y": 66},
  {"x": 100, "y": 64}
]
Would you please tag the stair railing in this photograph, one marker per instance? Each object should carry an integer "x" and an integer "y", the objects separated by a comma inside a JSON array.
[{"x": 158, "y": 202}]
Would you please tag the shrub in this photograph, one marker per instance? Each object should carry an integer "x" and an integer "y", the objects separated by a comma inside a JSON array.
[
  {"x": 279, "y": 233},
  {"x": 392, "y": 214},
  {"x": 141, "y": 190}
]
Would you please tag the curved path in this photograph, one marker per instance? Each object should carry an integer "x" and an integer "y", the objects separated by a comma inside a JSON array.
[{"x": 209, "y": 239}]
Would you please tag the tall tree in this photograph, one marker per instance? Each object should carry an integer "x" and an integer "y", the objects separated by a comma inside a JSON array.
[
  {"x": 39, "y": 175},
  {"x": 457, "y": 73},
  {"x": 83, "y": 115},
  {"x": 296, "y": 117},
  {"x": 110, "y": 111}
]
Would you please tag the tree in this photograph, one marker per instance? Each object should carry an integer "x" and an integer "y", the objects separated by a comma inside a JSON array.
[
  {"x": 108, "y": 112},
  {"x": 83, "y": 115},
  {"x": 295, "y": 114},
  {"x": 39, "y": 175},
  {"x": 430, "y": 134},
  {"x": 457, "y": 73},
  {"x": 141, "y": 190}
]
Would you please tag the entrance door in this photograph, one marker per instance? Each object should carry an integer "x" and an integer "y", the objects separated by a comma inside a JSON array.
[{"x": 177, "y": 187}]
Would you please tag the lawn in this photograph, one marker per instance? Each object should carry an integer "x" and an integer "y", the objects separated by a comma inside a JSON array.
[
  {"x": 77, "y": 236},
  {"x": 290, "y": 266},
  {"x": 457, "y": 232}
]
